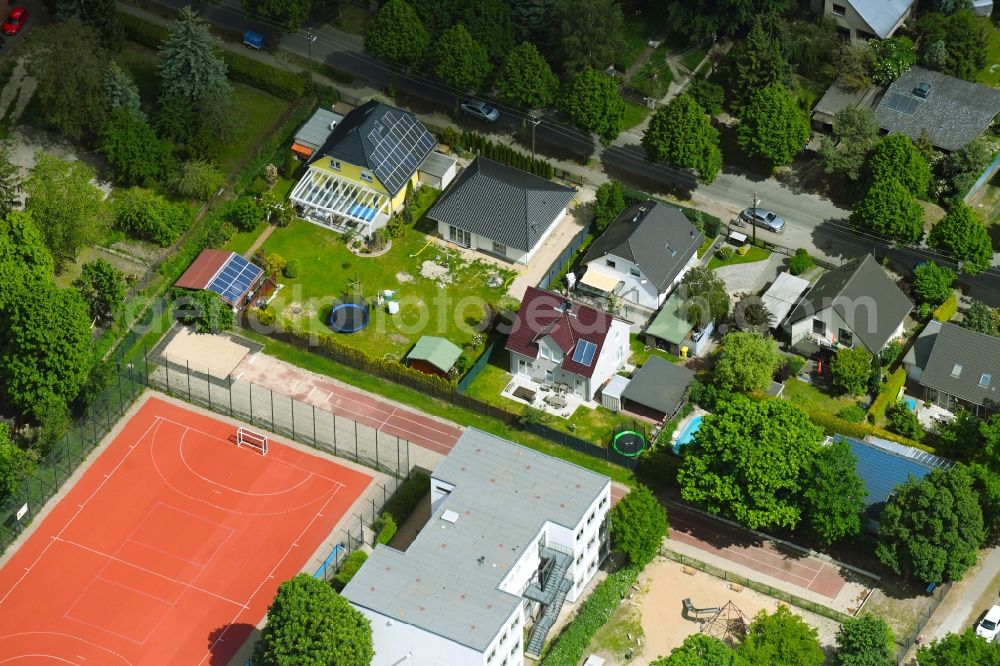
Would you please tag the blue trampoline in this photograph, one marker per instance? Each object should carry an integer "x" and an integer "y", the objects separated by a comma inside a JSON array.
[
  {"x": 348, "y": 315},
  {"x": 362, "y": 212}
]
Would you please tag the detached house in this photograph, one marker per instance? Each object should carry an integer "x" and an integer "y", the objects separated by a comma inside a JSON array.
[
  {"x": 865, "y": 19},
  {"x": 500, "y": 210},
  {"x": 557, "y": 341},
  {"x": 642, "y": 254},
  {"x": 855, "y": 304},
  {"x": 358, "y": 178},
  {"x": 956, "y": 367}
]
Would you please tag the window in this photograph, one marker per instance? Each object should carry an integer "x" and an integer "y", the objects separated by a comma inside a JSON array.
[
  {"x": 635, "y": 272},
  {"x": 579, "y": 534},
  {"x": 500, "y": 248},
  {"x": 845, "y": 337},
  {"x": 590, "y": 544},
  {"x": 492, "y": 655},
  {"x": 579, "y": 559},
  {"x": 609, "y": 263},
  {"x": 839, "y": 10},
  {"x": 503, "y": 639},
  {"x": 514, "y": 649},
  {"x": 335, "y": 164},
  {"x": 819, "y": 327},
  {"x": 459, "y": 236},
  {"x": 366, "y": 176},
  {"x": 984, "y": 380},
  {"x": 956, "y": 371}
]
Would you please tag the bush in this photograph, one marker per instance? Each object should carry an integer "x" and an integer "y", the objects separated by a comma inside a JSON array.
[
  {"x": 707, "y": 396},
  {"x": 196, "y": 180},
  {"x": 891, "y": 353},
  {"x": 147, "y": 216},
  {"x": 386, "y": 528},
  {"x": 887, "y": 394},
  {"x": 801, "y": 262},
  {"x": 350, "y": 566},
  {"x": 852, "y": 413},
  {"x": 710, "y": 96},
  {"x": 274, "y": 264},
  {"x": 407, "y": 496},
  {"x": 712, "y": 225},
  {"x": 794, "y": 363},
  {"x": 292, "y": 268},
  {"x": 903, "y": 421},
  {"x": 946, "y": 310},
  {"x": 725, "y": 253},
  {"x": 263, "y": 317},
  {"x": 246, "y": 213},
  {"x": 450, "y": 137},
  {"x": 143, "y": 32},
  {"x": 278, "y": 82},
  {"x": 568, "y": 647}
]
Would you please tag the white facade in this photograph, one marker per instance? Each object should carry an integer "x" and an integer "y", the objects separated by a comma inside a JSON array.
[
  {"x": 489, "y": 246},
  {"x": 849, "y": 22},
  {"x": 637, "y": 288},
  {"x": 827, "y": 327},
  {"x": 400, "y": 644},
  {"x": 547, "y": 368}
]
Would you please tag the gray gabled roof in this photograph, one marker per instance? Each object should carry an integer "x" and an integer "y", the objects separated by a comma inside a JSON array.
[
  {"x": 863, "y": 296},
  {"x": 501, "y": 203},
  {"x": 389, "y": 142},
  {"x": 659, "y": 385},
  {"x": 954, "y": 113},
  {"x": 966, "y": 364},
  {"x": 656, "y": 237},
  {"x": 920, "y": 351},
  {"x": 447, "y": 580},
  {"x": 881, "y": 15}
]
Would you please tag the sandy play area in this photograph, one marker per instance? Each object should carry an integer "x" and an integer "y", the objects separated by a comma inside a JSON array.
[
  {"x": 217, "y": 355},
  {"x": 663, "y": 587}
]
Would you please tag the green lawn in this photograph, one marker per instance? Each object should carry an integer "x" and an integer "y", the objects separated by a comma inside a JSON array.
[
  {"x": 640, "y": 354},
  {"x": 634, "y": 115},
  {"x": 653, "y": 78},
  {"x": 813, "y": 399},
  {"x": 705, "y": 244},
  {"x": 254, "y": 113},
  {"x": 693, "y": 58},
  {"x": 242, "y": 240},
  {"x": 329, "y": 270},
  {"x": 752, "y": 255},
  {"x": 991, "y": 73}
]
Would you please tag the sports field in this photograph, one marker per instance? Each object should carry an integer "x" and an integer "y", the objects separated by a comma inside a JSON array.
[{"x": 170, "y": 547}]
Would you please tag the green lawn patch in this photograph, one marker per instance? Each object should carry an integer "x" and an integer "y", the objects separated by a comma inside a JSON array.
[
  {"x": 254, "y": 113},
  {"x": 308, "y": 360},
  {"x": 329, "y": 270},
  {"x": 623, "y": 631},
  {"x": 635, "y": 114},
  {"x": 243, "y": 240},
  {"x": 693, "y": 58},
  {"x": 990, "y": 75},
  {"x": 812, "y": 398},
  {"x": 653, "y": 78},
  {"x": 638, "y": 29},
  {"x": 640, "y": 354},
  {"x": 752, "y": 255},
  {"x": 705, "y": 244}
]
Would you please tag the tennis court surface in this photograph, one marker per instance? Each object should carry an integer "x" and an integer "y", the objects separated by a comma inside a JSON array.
[{"x": 170, "y": 547}]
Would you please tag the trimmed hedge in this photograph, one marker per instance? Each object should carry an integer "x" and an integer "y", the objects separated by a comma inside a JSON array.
[
  {"x": 407, "y": 496},
  {"x": 501, "y": 152},
  {"x": 833, "y": 425},
  {"x": 887, "y": 395},
  {"x": 352, "y": 563},
  {"x": 143, "y": 32},
  {"x": 386, "y": 528},
  {"x": 278, "y": 82},
  {"x": 947, "y": 310},
  {"x": 568, "y": 647}
]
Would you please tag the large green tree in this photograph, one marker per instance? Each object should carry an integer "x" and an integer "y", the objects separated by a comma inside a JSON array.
[
  {"x": 965, "y": 36},
  {"x": 982, "y": 318},
  {"x": 47, "y": 349},
  {"x": 102, "y": 287},
  {"x": 962, "y": 235},
  {"x": 749, "y": 461},
  {"x": 10, "y": 182},
  {"x": 891, "y": 57},
  {"x": 932, "y": 528},
  {"x": 136, "y": 156},
  {"x": 960, "y": 650},
  {"x": 851, "y": 369},
  {"x": 711, "y": 19},
  {"x": 25, "y": 260},
  {"x": 759, "y": 63},
  {"x": 120, "y": 90},
  {"x": 190, "y": 66},
  {"x": 865, "y": 641},
  {"x": 932, "y": 283},
  {"x": 781, "y": 638},
  {"x": 309, "y": 623},
  {"x": 773, "y": 126},
  {"x": 145, "y": 215},
  {"x": 205, "y": 311},
  {"x": 531, "y": 19},
  {"x": 855, "y": 134},
  {"x": 64, "y": 204},
  {"x": 68, "y": 64},
  {"x": 489, "y": 23},
  {"x": 592, "y": 103},
  {"x": 682, "y": 134},
  {"x": 587, "y": 33},
  {"x": 835, "y": 495},
  {"x": 461, "y": 61},
  {"x": 897, "y": 157},
  {"x": 289, "y": 15},
  {"x": 963, "y": 167},
  {"x": 396, "y": 33},
  {"x": 890, "y": 210},
  {"x": 747, "y": 362},
  {"x": 638, "y": 525},
  {"x": 16, "y": 464},
  {"x": 705, "y": 297},
  {"x": 101, "y": 15},
  {"x": 526, "y": 80},
  {"x": 700, "y": 650},
  {"x": 609, "y": 202}
]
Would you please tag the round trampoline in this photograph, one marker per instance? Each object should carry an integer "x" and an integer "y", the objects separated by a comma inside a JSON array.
[
  {"x": 348, "y": 315},
  {"x": 629, "y": 443}
]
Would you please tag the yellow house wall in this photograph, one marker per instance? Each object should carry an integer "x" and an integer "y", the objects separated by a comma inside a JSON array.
[{"x": 352, "y": 173}]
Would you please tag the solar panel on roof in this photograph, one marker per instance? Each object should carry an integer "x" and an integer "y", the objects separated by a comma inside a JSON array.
[
  {"x": 235, "y": 278},
  {"x": 395, "y": 149},
  {"x": 584, "y": 353}
]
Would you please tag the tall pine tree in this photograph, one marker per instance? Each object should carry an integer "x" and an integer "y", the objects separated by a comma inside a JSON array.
[{"x": 760, "y": 62}]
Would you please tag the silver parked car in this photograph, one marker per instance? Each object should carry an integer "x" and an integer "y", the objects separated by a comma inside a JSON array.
[
  {"x": 764, "y": 219},
  {"x": 480, "y": 110}
]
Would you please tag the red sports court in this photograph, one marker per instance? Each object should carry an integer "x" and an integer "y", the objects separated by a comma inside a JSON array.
[{"x": 170, "y": 547}]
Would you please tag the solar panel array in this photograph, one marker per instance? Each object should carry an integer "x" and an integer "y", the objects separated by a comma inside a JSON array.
[
  {"x": 903, "y": 103},
  {"x": 235, "y": 278},
  {"x": 584, "y": 353},
  {"x": 399, "y": 144}
]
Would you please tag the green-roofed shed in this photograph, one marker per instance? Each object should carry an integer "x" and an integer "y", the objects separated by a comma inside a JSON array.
[
  {"x": 669, "y": 329},
  {"x": 433, "y": 355}
]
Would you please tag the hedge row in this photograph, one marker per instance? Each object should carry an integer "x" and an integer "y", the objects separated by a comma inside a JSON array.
[
  {"x": 834, "y": 425},
  {"x": 278, "y": 82},
  {"x": 386, "y": 528},
  {"x": 886, "y": 396},
  {"x": 143, "y": 32},
  {"x": 352, "y": 563},
  {"x": 568, "y": 648},
  {"x": 407, "y": 496},
  {"x": 947, "y": 310},
  {"x": 499, "y": 152}
]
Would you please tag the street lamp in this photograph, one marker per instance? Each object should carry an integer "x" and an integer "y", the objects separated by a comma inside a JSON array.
[
  {"x": 753, "y": 219},
  {"x": 534, "y": 120},
  {"x": 310, "y": 38}
]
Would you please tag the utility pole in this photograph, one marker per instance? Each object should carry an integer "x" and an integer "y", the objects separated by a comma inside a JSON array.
[
  {"x": 310, "y": 38},
  {"x": 534, "y": 120},
  {"x": 753, "y": 220}
]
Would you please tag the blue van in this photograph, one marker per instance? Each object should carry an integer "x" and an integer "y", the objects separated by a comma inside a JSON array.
[{"x": 253, "y": 40}]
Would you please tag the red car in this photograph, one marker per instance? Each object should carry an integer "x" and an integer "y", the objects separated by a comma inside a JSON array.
[{"x": 15, "y": 21}]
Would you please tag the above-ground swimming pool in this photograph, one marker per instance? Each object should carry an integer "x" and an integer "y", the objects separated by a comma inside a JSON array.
[
  {"x": 911, "y": 403},
  {"x": 348, "y": 316},
  {"x": 688, "y": 433}
]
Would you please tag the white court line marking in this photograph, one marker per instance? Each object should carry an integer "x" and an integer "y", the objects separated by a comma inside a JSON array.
[
  {"x": 131, "y": 537},
  {"x": 269, "y": 576},
  {"x": 61, "y": 635},
  {"x": 69, "y": 522},
  {"x": 41, "y": 655}
]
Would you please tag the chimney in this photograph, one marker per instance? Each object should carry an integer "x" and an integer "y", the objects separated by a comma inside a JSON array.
[{"x": 923, "y": 91}]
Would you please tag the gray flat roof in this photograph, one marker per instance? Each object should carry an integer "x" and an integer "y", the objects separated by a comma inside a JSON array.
[
  {"x": 782, "y": 295},
  {"x": 659, "y": 385},
  {"x": 316, "y": 130},
  {"x": 446, "y": 581},
  {"x": 437, "y": 164}
]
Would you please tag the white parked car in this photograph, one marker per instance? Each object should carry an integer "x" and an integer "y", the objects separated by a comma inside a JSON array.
[{"x": 989, "y": 626}]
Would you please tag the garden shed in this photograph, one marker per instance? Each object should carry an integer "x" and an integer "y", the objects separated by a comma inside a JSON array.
[
  {"x": 238, "y": 281},
  {"x": 433, "y": 355},
  {"x": 611, "y": 394},
  {"x": 437, "y": 170}
]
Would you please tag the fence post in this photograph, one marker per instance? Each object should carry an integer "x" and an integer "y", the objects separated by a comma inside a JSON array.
[
  {"x": 315, "y": 441},
  {"x": 273, "y": 426},
  {"x": 188, "y": 365},
  {"x": 291, "y": 406},
  {"x": 356, "y": 457},
  {"x": 251, "y": 403},
  {"x": 334, "y": 433},
  {"x": 376, "y": 452}
]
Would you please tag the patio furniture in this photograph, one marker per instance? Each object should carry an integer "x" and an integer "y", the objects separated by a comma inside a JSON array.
[
  {"x": 556, "y": 401},
  {"x": 524, "y": 393}
]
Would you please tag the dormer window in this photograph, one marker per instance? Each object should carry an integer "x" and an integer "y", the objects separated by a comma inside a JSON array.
[
  {"x": 609, "y": 263},
  {"x": 335, "y": 164}
]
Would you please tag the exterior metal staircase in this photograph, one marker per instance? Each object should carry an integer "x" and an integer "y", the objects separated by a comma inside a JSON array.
[{"x": 551, "y": 596}]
